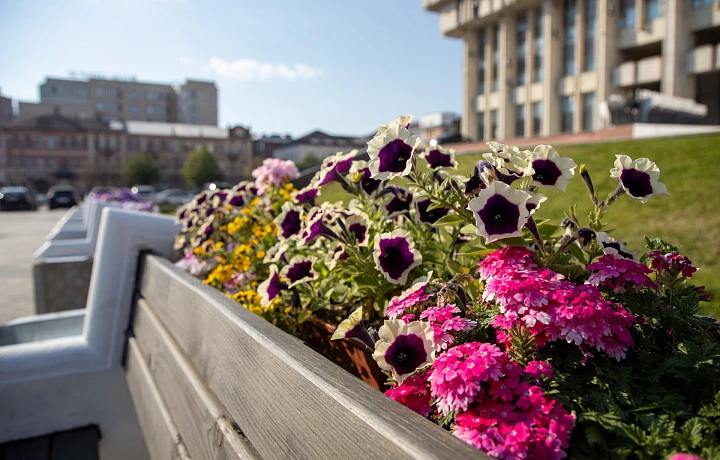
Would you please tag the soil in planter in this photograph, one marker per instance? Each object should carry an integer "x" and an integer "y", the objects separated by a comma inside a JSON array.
[{"x": 346, "y": 354}]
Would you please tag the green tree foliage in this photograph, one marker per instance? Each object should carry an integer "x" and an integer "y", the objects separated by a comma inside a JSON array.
[
  {"x": 308, "y": 162},
  {"x": 201, "y": 167},
  {"x": 142, "y": 170}
]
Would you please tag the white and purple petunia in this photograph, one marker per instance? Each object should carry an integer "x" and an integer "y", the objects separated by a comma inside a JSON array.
[
  {"x": 391, "y": 152},
  {"x": 289, "y": 221},
  {"x": 298, "y": 270},
  {"x": 316, "y": 224},
  {"x": 334, "y": 167},
  {"x": 432, "y": 216},
  {"x": 404, "y": 348},
  {"x": 359, "y": 172},
  {"x": 395, "y": 255},
  {"x": 335, "y": 253},
  {"x": 509, "y": 162},
  {"x": 438, "y": 157},
  {"x": 613, "y": 247},
  {"x": 277, "y": 253},
  {"x": 400, "y": 201},
  {"x": 357, "y": 224},
  {"x": 352, "y": 329},
  {"x": 639, "y": 178},
  {"x": 271, "y": 287},
  {"x": 500, "y": 211},
  {"x": 306, "y": 195},
  {"x": 548, "y": 169}
]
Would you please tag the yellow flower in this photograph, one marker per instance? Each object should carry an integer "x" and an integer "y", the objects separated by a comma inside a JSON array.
[
  {"x": 219, "y": 245},
  {"x": 260, "y": 254},
  {"x": 198, "y": 251}
]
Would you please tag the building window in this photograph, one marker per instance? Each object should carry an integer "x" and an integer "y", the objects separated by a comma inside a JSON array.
[
  {"x": 482, "y": 65},
  {"x": 520, "y": 120},
  {"x": 28, "y": 163},
  {"x": 51, "y": 142},
  {"x": 588, "y": 100},
  {"x": 28, "y": 141},
  {"x": 494, "y": 124},
  {"x": 701, "y": 3},
  {"x": 16, "y": 163},
  {"x": 133, "y": 95},
  {"x": 627, "y": 14},
  {"x": 652, "y": 10},
  {"x": 62, "y": 142},
  {"x": 481, "y": 126},
  {"x": 539, "y": 46},
  {"x": 590, "y": 33},
  {"x": 476, "y": 8},
  {"x": 15, "y": 141},
  {"x": 38, "y": 142},
  {"x": 134, "y": 109},
  {"x": 537, "y": 109},
  {"x": 521, "y": 48},
  {"x": 99, "y": 92},
  {"x": 569, "y": 42},
  {"x": 568, "y": 109},
  {"x": 495, "y": 75}
]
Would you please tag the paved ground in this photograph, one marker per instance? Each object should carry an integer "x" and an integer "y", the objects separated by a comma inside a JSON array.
[{"x": 21, "y": 234}]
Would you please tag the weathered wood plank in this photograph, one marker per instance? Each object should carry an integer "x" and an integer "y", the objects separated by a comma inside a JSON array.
[
  {"x": 78, "y": 444},
  {"x": 161, "y": 436},
  {"x": 198, "y": 415},
  {"x": 288, "y": 400}
]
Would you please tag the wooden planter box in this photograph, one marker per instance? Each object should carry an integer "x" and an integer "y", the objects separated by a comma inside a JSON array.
[{"x": 210, "y": 379}]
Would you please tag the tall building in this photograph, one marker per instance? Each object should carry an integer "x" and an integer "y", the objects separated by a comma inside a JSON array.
[
  {"x": 6, "y": 109},
  {"x": 543, "y": 67},
  {"x": 194, "y": 102}
]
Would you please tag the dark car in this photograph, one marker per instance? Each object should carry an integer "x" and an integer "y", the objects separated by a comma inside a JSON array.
[
  {"x": 17, "y": 198},
  {"x": 62, "y": 197}
]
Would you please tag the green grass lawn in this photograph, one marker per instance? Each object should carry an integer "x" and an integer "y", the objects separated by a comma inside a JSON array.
[{"x": 689, "y": 217}]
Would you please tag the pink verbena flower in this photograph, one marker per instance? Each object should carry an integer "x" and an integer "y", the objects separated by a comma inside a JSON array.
[
  {"x": 413, "y": 393},
  {"x": 672, "y": 262},
  {"x": 443, "y": 322},
  {"x": 274, "y": 172},
  {"x": 620, "y": 275},
  {"x": 410, "y": 298},
  {"x": 552, "y": 308},
  {"x": 457, "y": 374},
  {"x": 515, "y": 419},
  {"x": 539, "y": 369},
  {"x": 511, "y": 256}
]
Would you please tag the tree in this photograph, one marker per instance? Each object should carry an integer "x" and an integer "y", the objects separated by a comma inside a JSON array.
[
  {"x": 142, "y": 170},
  {"x": 308, "y": 162},
  {"x": 201, "y": 167}
]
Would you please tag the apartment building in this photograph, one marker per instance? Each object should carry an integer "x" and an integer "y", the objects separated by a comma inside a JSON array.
[
  {"x": 51, "y": 149},
  {"x": 318, "y": 144},
  {"x": 194, "y": 102},
  {"x": 6, "y": 109},
  {"x": 544, "y": 67}
]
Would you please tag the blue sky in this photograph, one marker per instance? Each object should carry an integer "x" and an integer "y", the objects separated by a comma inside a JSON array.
[{"x": 280, "y": 65}]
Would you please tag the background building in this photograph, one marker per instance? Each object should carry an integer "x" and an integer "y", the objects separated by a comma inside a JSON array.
[
  {"x": 52, "y": 149},
  {"x": 543, "y": 67},
  {"x": 319, "y": 145},
  {"x": 6, "y": 109},
  {"x": 194, "y": 102}
]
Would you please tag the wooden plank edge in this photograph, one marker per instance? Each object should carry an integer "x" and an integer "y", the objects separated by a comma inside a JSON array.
[
  {"x": 231, "y": 435},
  {"x": 143, "y": 390},
  {"x": 409, "y": 432}
]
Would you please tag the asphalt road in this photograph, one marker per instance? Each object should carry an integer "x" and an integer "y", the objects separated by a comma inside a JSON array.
[{"x": 21, "y": 234}]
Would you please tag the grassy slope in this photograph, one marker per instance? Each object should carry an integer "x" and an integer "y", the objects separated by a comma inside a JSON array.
[{"x": 689, "y": 217}]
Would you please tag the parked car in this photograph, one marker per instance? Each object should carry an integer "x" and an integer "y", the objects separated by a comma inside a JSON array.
[
  {"x": 62, "y": 197},
  {"x": 146, "y": 191},
  {"x": 17, "y": 198},
  {"x": 172, "y": 196},
  {"x": 100, "y": 189}
]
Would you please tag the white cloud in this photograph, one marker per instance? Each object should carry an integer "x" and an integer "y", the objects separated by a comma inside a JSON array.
[{"x": 251, "y": 70}]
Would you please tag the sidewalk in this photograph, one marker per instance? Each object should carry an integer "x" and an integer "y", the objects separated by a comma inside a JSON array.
[{"x": 21, "y": 234}]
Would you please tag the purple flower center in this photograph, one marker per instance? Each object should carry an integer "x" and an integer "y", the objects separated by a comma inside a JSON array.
[
  {"x": 406, "y": 353},
  {"x": 237, "y": 200},
  {"x": 500, "y": 215},
  {"x": 369, "y": 184},
  {"x": 274, "y": 287},
  {"x": 637, "y": 183},
  {"x": 299, "y": 271},
  {"x": 546, "y": 172},
  {"x": 359, "y": 230},
  {"x": 430, "y": 217},
  {"x": 292, "y": 224},
  {"x": 394, "y": 156},
  {"x": 395, "y": 256},
  {"x": 307, "y": 197},
  {"x": 437, "y": 159}
]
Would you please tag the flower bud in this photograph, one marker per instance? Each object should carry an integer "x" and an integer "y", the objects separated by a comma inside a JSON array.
[{"x": 588, "y": 183}]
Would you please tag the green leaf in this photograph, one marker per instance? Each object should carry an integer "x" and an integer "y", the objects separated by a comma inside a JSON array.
[
  {"x": 450, "y": 219},
  {"x": 436, "y": 205}
]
